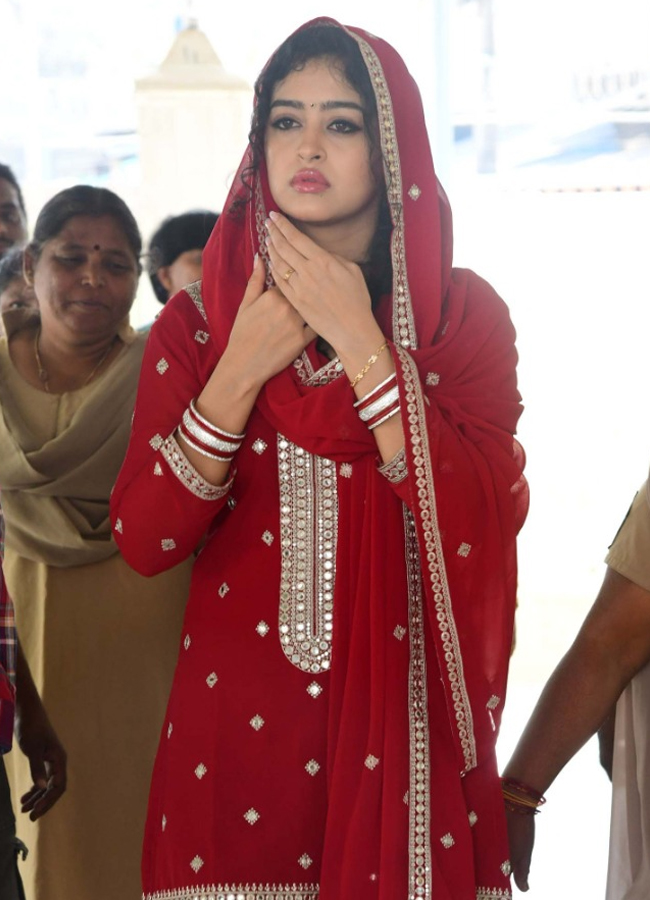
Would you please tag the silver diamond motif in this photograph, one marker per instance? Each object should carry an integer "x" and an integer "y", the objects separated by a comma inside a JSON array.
[
  {"x": 433, "y": 379},
  {"x": 118, "y": 526},
  {"x": 371, "y": 762},
  {"x": 156, "y": 442},
  {"x": 262, "y": 628},
  {"x": 464, "y": 549},
  {"x": 251, "y": 816},
  {"x": 312, "y": 767},
  {"x": 414, "y": 192},
  {"x": 314, "y": 689},
  {"x": 164, "y": 822},
  {"x": 211, "y": 680},
  {"x": 223, "y": 590},
  {"x": 259, "y": 446},
  {"x": 168, "y": 544},
  {"x": 346, "y": 470},
  {"x": 473, "y": 818},
  {"x": 197, "y": 863},
  {"x": 399, "y": 632},
  {"x": 201, "y": 337},
  {"x": 200, "y": 771},
  {"x": 187, "y": 642},
  {"x": 162, "y": 365},
  {"x": 506, "y": 868},
  {"x": 257, "y": 722},
  {"x": 267, "y": 537},
  {"x": 157, "y": 469},
  {"x": 305, "y": 861},
  {"x": 447, "y": 841}
]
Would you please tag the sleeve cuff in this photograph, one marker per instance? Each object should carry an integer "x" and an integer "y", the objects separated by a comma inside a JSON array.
[{"x": 187, "y": 474}]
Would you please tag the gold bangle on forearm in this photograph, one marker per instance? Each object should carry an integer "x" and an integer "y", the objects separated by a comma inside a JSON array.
[{"x": 371, "y": 361}]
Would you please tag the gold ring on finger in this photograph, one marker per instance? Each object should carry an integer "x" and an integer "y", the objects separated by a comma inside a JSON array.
[{"x": 287, "y": 275}]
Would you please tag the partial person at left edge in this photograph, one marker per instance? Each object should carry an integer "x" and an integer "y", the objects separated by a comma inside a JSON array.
[
  {"x": 21, "y": 704},
  {"x": 13, "y": 215}
]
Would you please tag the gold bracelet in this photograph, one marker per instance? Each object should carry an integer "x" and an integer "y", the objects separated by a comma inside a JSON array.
[{"x": 371, "y": 361}]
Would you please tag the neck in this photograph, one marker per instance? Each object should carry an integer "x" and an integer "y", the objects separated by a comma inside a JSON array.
[
  {"x": 69, "y": 365},
  {"x": 350, "y": 240}
]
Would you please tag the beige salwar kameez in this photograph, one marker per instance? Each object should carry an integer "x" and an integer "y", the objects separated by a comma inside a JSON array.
[{"x": 101, "y": 640}]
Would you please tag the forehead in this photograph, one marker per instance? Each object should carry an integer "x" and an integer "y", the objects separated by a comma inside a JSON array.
[
  {"x": 318, "y": 80},
  {"x": 91, "y": 231},
  {"x": 8, "y": 194}
]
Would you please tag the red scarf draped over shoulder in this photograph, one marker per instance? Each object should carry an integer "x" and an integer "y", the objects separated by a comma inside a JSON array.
[{"x": 432, "y": 723}]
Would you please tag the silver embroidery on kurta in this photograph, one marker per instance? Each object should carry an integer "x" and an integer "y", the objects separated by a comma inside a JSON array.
[
  {"x": 308, "y": 531},
  {"x": 419, "y": 770},
  {"x": 434, "y": 570},
  {"x": 403, "y": 321},
  {"x": 239, "y": 891},
  {"x": 194, "y": 290}
]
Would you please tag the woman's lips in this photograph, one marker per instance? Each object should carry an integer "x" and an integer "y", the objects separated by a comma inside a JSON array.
[{"x": 309, "y": 181}]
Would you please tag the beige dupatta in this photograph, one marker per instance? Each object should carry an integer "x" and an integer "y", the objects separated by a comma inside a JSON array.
[{"x": 55, "y": 495}]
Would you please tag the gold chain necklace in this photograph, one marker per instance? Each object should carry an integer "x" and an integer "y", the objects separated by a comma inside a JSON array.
[{"x": 43, "y": 375}]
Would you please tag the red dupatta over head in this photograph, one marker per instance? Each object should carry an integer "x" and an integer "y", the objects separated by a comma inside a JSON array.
[{"x": 440, "y": 567}]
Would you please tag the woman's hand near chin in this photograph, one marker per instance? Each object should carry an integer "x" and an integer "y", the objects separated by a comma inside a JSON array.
[
  {"x": 267, "y": 335},
  {"x": 328, "y": 291}
]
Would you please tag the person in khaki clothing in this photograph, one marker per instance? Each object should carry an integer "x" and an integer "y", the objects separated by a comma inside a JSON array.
[{"x": 609, "y": 661}]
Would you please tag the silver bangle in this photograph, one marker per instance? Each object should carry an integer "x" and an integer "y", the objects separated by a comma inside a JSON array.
[
  {"x": 380, "y": 405},
  {"x": 389, "y": 415},
  {"x": 208, "y": 424},
  {"x": 203, "y": 452},
  {"x": 207, "y": 437},
  {"x": 375, "y": 389}
]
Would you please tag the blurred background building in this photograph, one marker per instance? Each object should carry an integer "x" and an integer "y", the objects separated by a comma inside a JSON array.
[{"x": 539, "y": 114}]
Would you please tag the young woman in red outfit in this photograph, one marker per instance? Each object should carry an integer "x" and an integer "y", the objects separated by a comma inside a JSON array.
[{"x": 330, "y": 416}]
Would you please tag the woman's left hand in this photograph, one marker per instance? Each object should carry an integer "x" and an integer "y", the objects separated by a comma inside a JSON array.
[{"x": 328, "y": 291}]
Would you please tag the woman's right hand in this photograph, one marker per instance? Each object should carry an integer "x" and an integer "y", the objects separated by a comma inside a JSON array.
[
  {"x": 268, "y": 333},
  {"x": 521, "y": 837}
]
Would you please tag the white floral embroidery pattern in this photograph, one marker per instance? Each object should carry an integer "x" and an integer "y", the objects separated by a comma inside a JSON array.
[
  {"x": 305, "y": 861},
  {"x": 267, "y": 537},
  {"x": 118, "y": 526},
  {"x": 157, "y": 469},
  {"x": 399, "y": 632},
  {"x": 170, "y": 728},
  {"x": 194, "y": 290},
  {"x": 506, "y": 868},
  {"x": 211, "y": 680},
  {"x": 164, "y": 822},
  {"x": 414, "y": 192},
  {"x": 493, "y": 702},
  {"x": 447, "y": 841},
  {"x": 314, "y": 689},
  {"x": 223, "y": 590},
  {"x": 251, "y": 816},
  {"x": 187, "y": 642},
  {"x": 464, "y": 549},
  {"x": 200, "y": 771},
  {"x": 312, "y": 768},
  {"x": 262, "y": 628},
  {"x": 473, "y": 818},
  {"x": 432, "y": 379},
  {"x": 346, "y": 470},
  {"x": 197, "y": 863},
  {"x": 405, "y": 798},
  {"x": 162, "y": 365},
  {"x": 371, "y": 762},
  {"x": 245, "y": 892},
  {"x": 259, "y": 446},
  {"x": 187, "y": 474},
  {"x": 168, "y": 544},
  {"x": 257, "y": 722},
  {"x": 201, "y": 337},
  {"x": 156, "y": 442},
  {"x": 492, "y": 894}
]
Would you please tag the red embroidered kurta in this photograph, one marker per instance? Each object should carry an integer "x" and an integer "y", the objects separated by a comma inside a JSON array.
[{"x": 342, "y": 670}]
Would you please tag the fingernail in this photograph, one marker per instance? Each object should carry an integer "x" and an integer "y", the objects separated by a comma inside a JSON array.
[
  {"x": 267, "y": 223},
  {"x": 257, "y": 256},
  {"x": 273, "y": 215}
]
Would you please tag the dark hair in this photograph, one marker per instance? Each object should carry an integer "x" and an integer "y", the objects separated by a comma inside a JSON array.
[
  {"x": 11, "y": 267},
  {"x": 324, "y": 41},
  {"x": 176, "y": 235},
  {"x": 84, "y": 200},
  {"x": 7, "y": 175}
]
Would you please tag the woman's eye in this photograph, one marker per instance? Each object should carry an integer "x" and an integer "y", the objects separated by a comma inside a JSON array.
[
  {"x": 284, "y": 123},
  {"x": 345, "y": 126},
  {"x": 70, "y": 261},
  {"x": 114, "y": 266},
  {"x": 17, "y": 304}
]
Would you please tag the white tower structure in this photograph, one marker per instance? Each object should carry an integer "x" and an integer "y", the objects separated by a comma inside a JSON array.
[{"x": 193, "y": 121}]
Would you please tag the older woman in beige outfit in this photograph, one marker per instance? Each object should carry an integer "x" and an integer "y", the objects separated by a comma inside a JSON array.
[{"x": 100, "y": 639}]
